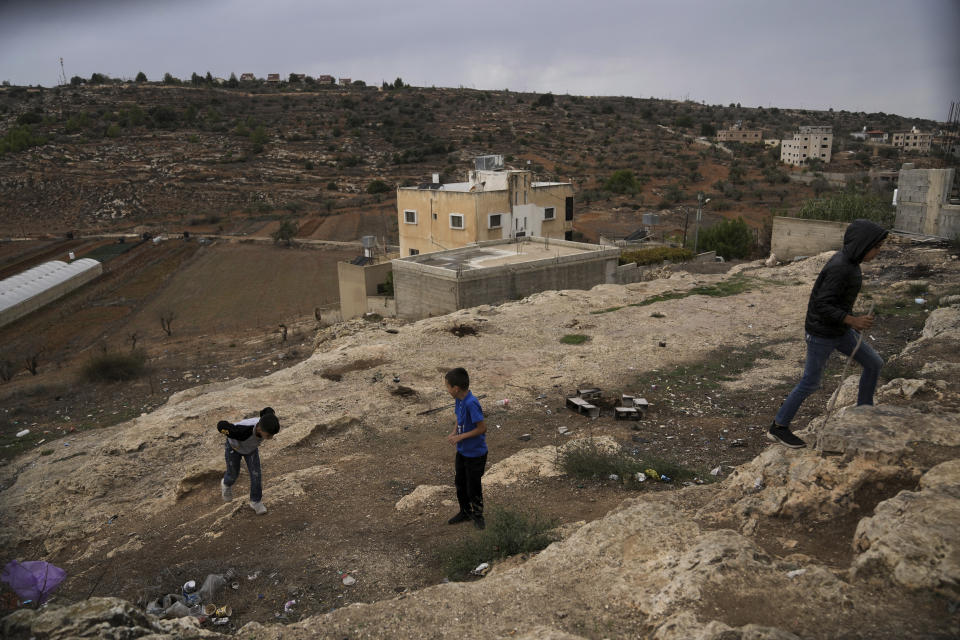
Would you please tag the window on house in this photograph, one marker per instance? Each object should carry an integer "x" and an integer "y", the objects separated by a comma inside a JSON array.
[
  {"x": 495, "y": 221},
  {"x": 549, "y": 213},
  {"x": 409, "y": 216},
  {"x": 434, "y": 216},
  {"x": 456, "y": 221},
  {"x": 414, "y": 252}
]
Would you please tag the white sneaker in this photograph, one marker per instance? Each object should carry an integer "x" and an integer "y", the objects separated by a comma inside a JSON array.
[
  {"x": 258, "y": 507},
  {"x": 226, "y": 492}
]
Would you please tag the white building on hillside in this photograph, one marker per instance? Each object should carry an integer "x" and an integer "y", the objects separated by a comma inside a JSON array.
[{"x": 809, "y": 142}]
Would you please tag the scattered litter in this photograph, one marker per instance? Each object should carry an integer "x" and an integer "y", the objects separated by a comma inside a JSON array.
[
  {"x": 481, "y": 569},
  {"x": 211, "y": 587},
  {"x": 220, "y": 621},
  {"x": 253, "y": 576},
  {"x": 504, "y": 403},
  {"x": 525, "y": 437},
  {"x": 112, "y": 519},
  {"x": 613, "y": 477},
  {"x": 715, "y": 471},
  {"x": 662, "y": 343},
  {"x": 288, "y": 605},
  {"x": 665, "y": 478},
  {"x": 651, "y": 473},
  {"x": 919, "y": 300},
  {"x": 758, "y": 484},
  {"x": 563, "y": 430},
  {"x": 739, "y": 442},
  {"x": 641, "y": 476},
  {"x": 20, "y": 434},
  {"x": 33, "y": 579},
  {"x": 795, "y": 573},
  {"x": 348, "y": 579},
  {"x": 235, "y": 586}
]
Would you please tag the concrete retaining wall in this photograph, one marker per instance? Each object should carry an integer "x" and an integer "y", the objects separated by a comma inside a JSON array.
[
  {"x": 921, "y": 203},
  {"x": 423, "y": 290},
  {"x": 357, "y": 284},
  {"x": 794, "y": 237}
]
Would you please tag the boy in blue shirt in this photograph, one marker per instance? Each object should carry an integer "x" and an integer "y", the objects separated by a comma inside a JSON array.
[
  {"x": 471, "y": 444},
  {"x": 243, "y": 441}
]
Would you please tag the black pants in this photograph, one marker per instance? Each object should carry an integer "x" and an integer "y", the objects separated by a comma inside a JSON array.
[{"x": 467, "y": 480}]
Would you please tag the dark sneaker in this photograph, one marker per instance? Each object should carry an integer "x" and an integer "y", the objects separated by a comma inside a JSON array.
[
  {"x": 460, "y": 517},
  {"x": 478, "y": 522},
  {"x": 784, "y": 436}
]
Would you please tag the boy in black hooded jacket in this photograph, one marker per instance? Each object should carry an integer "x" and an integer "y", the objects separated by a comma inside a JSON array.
[{"x": 830, "y": 324}]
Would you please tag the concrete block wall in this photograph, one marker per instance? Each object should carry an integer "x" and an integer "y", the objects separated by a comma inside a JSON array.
[
  {"x": 794, "y": 237},
  {"x": 423, "y": 290},
  {"x": 921, "y": 203}
]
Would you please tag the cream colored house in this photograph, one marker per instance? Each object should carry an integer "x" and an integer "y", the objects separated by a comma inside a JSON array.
[
  {"x": 494, "y": 204},
  {"x": 913, "y": 140},
  {"x": 808, "y": 143}
]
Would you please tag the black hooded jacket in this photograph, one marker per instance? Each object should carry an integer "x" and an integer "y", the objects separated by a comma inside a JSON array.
[{"x": 839, "y": 282}]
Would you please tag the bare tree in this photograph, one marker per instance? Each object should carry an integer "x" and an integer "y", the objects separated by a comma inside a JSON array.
[
  {"x": 31, "y": 359},
  {"x": 166, "y": 320},
  {"x": 6, "y": 370},
  {"x": 283, "y": 332}
]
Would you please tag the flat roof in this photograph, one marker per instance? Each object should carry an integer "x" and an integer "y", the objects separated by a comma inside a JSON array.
[
  {"x": 472, "y": 187},
  {"x": 501, "y": 254}
]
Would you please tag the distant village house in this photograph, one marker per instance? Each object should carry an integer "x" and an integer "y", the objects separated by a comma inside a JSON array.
[
  {"x": 913, "y": 140},
  {"x": 247, "y": 77},
  {"x": 737, "y": 133},
  {"x": 273, "y": 77},
  {"x": 493, "y": 204},
  {"x": 810, "y": 142}
]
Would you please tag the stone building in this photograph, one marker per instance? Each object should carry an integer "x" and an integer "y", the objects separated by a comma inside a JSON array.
[
  {"x": 913, "y": 140},
  {"x": 924, "y": 204},
  {"x": 494, "y": 204},
  {"x": 809, "y": 142}
]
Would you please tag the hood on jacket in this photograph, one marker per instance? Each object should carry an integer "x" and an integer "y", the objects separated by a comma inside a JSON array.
[{"x": 861, "y": 236}]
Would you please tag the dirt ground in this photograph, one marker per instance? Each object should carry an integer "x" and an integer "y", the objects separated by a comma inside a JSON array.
[{"x": 700, "y": 419}]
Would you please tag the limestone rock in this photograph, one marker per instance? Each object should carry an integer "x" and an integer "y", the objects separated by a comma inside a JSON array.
[
  {"x": 106, "y": 618},
  {"x": 915, "y": 536},
  {"x": 883, "y": 433},
  {"x": 422, "y": 495}
]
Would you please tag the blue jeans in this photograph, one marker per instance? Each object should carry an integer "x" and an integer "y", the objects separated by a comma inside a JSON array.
[
  {"x": 818, "y": 352},
  {"x": 253, "y": 467}
]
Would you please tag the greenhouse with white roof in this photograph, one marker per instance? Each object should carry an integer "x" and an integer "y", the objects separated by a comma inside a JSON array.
[{"x": 41, "y": 285}]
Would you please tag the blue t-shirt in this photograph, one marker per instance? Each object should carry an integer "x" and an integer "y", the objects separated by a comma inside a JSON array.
[{"x": 469, "y": 414}]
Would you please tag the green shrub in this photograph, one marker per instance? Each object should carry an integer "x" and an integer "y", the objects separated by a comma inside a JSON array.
[
  {"x": 655, "y": 255},
  {"x": 20, "y": 138},
  {"x": 115, "y": 367},
  {"x": 623, "y": 181},
  {"x": 378, "y": 186},
  {"x": 847, "y": 206},
  {"x": 589, "y": 461},
  {"x": 574, "y": 338},
  {"x": 508, "y": 533},
  {"x": 729, "y": 238}
]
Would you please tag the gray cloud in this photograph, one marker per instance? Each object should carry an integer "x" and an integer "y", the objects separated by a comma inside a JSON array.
[{"x": 863, "y": 55}]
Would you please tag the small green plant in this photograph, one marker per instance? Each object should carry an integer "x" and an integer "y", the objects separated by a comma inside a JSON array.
[
  {"x": 607, "y": 310},
  {"x": 508, "y": 533},
  {"x": 115, "y": 367},
  {"x": 574, "y": 338},
  {"x": 589, "y": 461},
  {"x": 917, "y": 288},
  {"x": 655, "y": 255}
]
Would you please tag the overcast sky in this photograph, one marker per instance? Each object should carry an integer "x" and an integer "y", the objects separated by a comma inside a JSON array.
[{"x": 895, "y": 56}]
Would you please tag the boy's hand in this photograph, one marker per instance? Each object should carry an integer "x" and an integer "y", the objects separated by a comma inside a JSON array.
[
  {"x": 858, "y": 322},
  {"x": 452, "y": 438}
]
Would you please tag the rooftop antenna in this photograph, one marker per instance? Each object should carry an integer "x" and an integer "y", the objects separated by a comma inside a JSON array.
[{"x": 63, "y": 74}]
